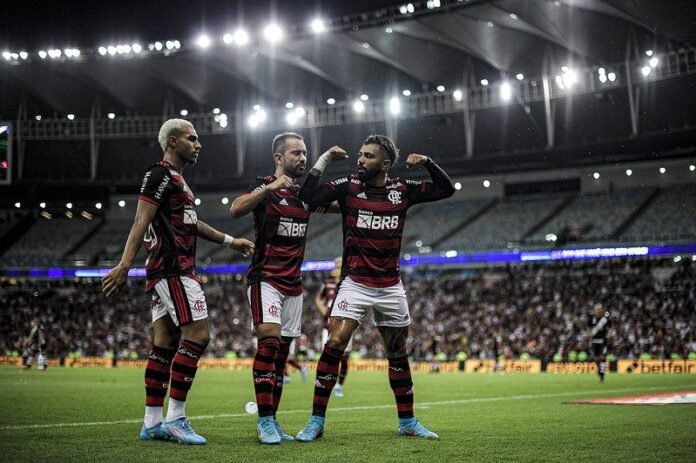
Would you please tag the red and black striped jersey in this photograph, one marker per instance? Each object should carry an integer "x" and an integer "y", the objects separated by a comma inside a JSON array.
[
  {"x": 280, "y": 225},
  {"x": 170, "y": 240},
  {"x": 373, "y": 220}
]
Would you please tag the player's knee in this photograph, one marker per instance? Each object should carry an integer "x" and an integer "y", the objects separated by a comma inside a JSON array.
[{"x": 337, "y": 343}]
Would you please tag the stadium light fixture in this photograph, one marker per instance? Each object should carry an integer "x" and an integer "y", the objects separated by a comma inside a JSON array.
[
  {"x": 216, "y": 110},
  {"x": 42, "y": 205},
  {"x": 406, "y": 92},
  {"x": 519, "y": 76},
  {"x": 432, "y": 4},
  {"x": 197, "y": 201},
  {"x": 137, "y": 48},
  {"x": 121, "y": 203},
  {"x": 289, "y": 105},
  {"x": 611, "y": 76},
  {"x": 38, "y": 117},
  {"x": 23, "y": 54},
  {"x": 677, "y": 259},
  {"x": 365, "y": 45},
  {"x": 225, "y": 200},
  {"x": 240, "y": 37},
  {"x": 69, "y": 214},
  {"x": 43, "y": 54},
  {"x": 514, "y": 16},
  {"x": 484, "y": 82},
  {"x": 490, "y": 24},
  {"x": 203, "y": 41},
  {"x": 596, "y": 175},
  {"x": 256, "y": 107},
  {"x": 388, "y": 30},
  {"x": 300, "y": 111},
  {"x": 7, "y": 55},
  {"x": 291, "y": 118},
  {"x": 359, "y": 107},
  {"x": 458, "y": 186},
  {"x": 98, "y": 205},
  {"x": 629, "y": 172},
  {"x": 394, "y": 106},
  {"x": 654, "y": 61},
  {"x": 111, "y": 116},
  {"x": 602, "y": 78},
  {"x": 257, "y": 118},
  {"x": 273, "y": 33},
  {"x": 486, "y": 183},
  {"x": 184, "y": 112},
  {"x": 505, "y": 91},
  {"x": 317, "y": 26},
  {"x": 451, "y": 253},
  {"x": 419, "y": 243},
  {"x": 331, "y": 101},
  {"x": 112, "y": 50},
  {"x": 646, "y": 70},
  {"x": 158, "y": 46},
  {"x": 550, "y": 237},
  {"x": 570, "y": 76},
  {"x": 71, "y": 117},
  {"x": 68, "y": 206},
  {"x": 692, "y": 167},
  {"x": 227, "y": 38},
  {"x": 169, "y": 44},
  {"x": 364, "y": 97},
  {"x": 440, "y": 88},
  {"x": 663, "y": 170},
  {"x": 649, "y": 52},
  {"x": 458, "y": 95},
  {"x": 18, "y": 205}
]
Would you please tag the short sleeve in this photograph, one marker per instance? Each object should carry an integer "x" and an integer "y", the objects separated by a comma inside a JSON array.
[{"x": 154, "y": 186}]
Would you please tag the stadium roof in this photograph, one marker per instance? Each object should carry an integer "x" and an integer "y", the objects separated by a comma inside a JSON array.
[{"x": 380, "y": 51}]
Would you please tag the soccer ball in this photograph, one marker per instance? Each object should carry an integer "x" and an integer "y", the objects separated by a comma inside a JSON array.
[{"x": 251, "y": 408}]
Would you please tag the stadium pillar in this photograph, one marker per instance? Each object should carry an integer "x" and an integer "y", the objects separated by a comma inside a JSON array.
[
  {"x": 548, "y": 113},
  {"x": 93, "y": 142},
  {"x": 633, "y": 96},
  {"x": 239, "y": 138},
  {"x": 21, "y": 119},
  {"x": 469, "y": 123},
  {"x": 315, "y": 141}
]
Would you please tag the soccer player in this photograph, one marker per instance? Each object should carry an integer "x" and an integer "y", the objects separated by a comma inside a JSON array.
[
  {"x": 599, "y": 327},
  {"x": 374, "y": 208},
  {"x": 166, "y": 220},
  {"x": 324, "y": 300},
  {"x": 273, "y": 279},
  {"x": 33, "y": 346},
  {"x": 298, "y": 355}
]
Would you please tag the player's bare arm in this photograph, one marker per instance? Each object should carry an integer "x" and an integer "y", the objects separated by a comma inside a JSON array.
[
  {"x": 321, "y": 305},
  {"x": 241, "y": 245},
  {"x": 244, "y": 204},
  {"x": 116, "y": 278}
]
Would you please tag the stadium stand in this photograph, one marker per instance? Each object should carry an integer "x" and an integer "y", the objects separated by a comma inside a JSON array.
[
  {"x": 538, "y": 309},
  {"x": 670, "y": 217}
]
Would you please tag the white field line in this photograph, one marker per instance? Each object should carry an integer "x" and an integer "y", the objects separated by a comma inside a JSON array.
[{"x": 360, "y": 408}]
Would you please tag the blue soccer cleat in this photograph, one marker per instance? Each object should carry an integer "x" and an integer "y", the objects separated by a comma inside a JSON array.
[
  {"x": 283, "y": 436},
  {"x": 154, "y": 433},
  {"x": 313, "y": 431},
  {"x": 180, "y": 430},
  {"x": 412, "y": 427},
  {"x": 267, "y": 430}
]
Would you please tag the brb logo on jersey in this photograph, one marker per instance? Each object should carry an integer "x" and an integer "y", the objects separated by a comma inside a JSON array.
[
  {"x": 287, "y": 227},
  {"x": 366, "y": 219},
  {"x": 394, "y": 197}
]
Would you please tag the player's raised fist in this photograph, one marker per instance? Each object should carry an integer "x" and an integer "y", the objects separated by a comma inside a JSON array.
[
  {"x": 242, "y": 246},
  {"x": 336, "y": 153},
  {"x": 416, "y": 160}
]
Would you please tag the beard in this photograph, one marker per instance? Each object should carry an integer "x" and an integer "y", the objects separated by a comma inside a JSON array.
[{"x": 367, "y": 175}]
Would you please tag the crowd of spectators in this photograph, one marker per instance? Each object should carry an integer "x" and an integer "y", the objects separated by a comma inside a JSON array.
[{"x": 536, "y": 309}]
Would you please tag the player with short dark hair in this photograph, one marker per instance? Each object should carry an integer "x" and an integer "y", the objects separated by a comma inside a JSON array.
[
  {"x": 34, "y": 345},
  {"x": 274, "y": 279},
  {"x": 165, "y": 219},
  {"x": 374, "y": 208},
  {"x": 599, "y": 326}
]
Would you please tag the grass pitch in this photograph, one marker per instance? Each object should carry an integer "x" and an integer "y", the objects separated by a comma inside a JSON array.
[{"x": 95, "y": 414}]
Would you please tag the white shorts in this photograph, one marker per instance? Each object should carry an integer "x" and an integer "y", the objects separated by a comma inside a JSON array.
[
  {"x": 325, "y": 338},
  {"x": 389, "y": 306},
  {"x": 268, "y": 305},
  {"x": 181, "y": 298}
]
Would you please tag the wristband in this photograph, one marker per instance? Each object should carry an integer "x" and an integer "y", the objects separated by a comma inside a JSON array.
[
  {"x": 322, "y": 162},
  {"x": 228, "y": 240}
]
